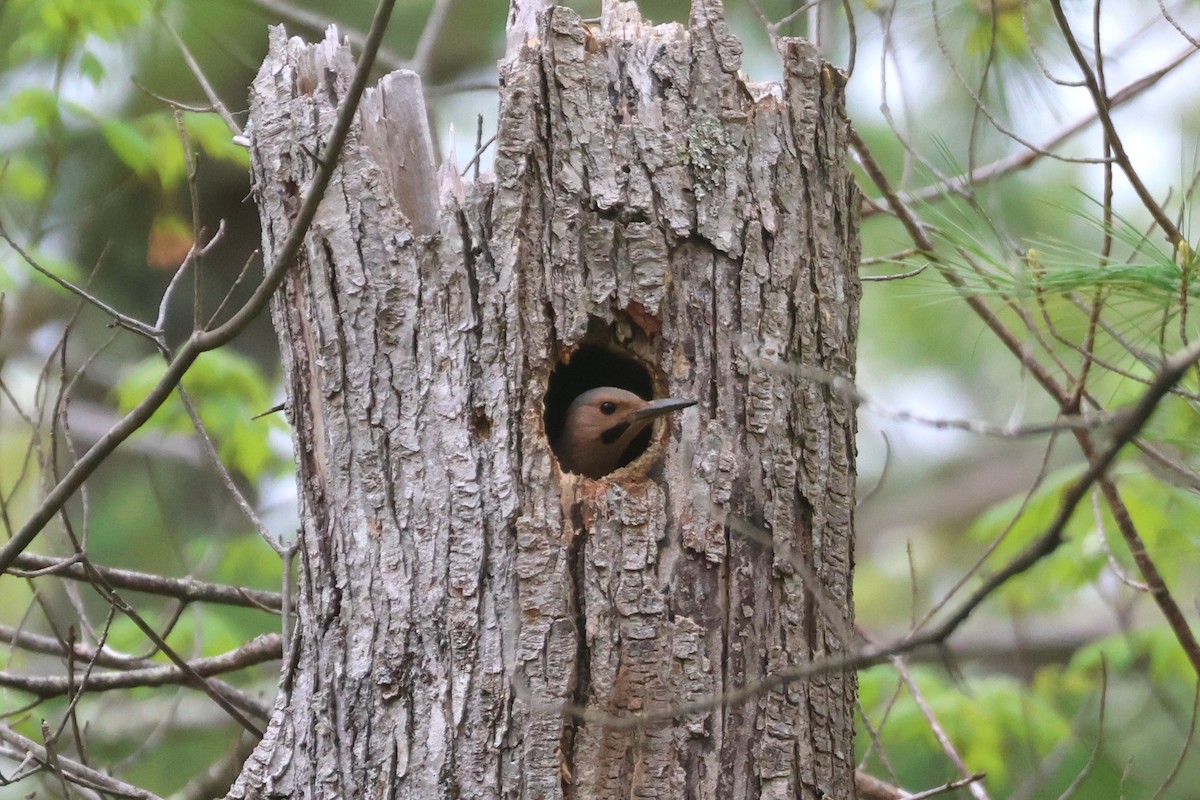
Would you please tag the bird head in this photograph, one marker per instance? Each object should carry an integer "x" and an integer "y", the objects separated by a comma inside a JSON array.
[{"x": 601, "y": 424}]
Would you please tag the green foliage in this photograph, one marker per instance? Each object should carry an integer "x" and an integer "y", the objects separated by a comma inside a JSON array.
[
  {"x": 200, "y": 631},
  {"x": 991, "y": 262},
  {"x": 152, "y": 146},
  {"x": 1011, "y": 729},
  {"x": 55, "y": 36},
  {"x": 210, "y": 134},
  {"x": 55, "y": 28},
  {"x": 1004, "y": 30},
  {"x": 227, "y": 390},
  {"x": 23, "y": 179},
  {"x": 1077, "y": 561},
  {"x": 244, "y": 560},
  {"x": 91, "y": 68},
  {"x": 33, "y": 104},
  {"x": 132, "y": 146},
  {"x": 988, "y": 719},
  {"x": 1166, "y": 517},
  {"x": 14, "y": 272},
  {"x": 1153, "y": 651}
]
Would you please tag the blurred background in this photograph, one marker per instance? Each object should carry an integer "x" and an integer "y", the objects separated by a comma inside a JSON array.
[{"x": 1068, "y": 676}]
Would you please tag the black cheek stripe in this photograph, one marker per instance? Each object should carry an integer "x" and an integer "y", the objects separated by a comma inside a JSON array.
[{"x": 614, "y": 433}]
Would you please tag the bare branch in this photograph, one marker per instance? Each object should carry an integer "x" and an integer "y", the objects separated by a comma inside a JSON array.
[
  {"x": 202, "y": 341},
  {"x": 213, "y": 98},
  {"x": 848, "y": 390},
  {"x": 982, "y": 106},
  {"x": 230, "y": 485},
  {"x": 188, "y": 590},
  {"x": 124, "y": 320},
  {"x": 1192, "y": 40},
  {"x": 1102, "y": 105},
  {"x": 1099, "y": 743},
  {"x": 975, "y": 786},
  {"x": 1188, "y": 741},
  {"x": 1018, "y": 161},
  {"x": 268, "y": 647},
  {"x": 434, "y": 24},
  {"x": 897, "y": 276},
  {"x": 73, "y": 770}
]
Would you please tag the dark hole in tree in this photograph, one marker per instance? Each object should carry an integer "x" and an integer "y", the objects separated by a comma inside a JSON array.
[{"x": 590, "y": 367}]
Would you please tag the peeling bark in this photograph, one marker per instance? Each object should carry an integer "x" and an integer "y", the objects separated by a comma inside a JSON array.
[{"x": 460, "y": 598}]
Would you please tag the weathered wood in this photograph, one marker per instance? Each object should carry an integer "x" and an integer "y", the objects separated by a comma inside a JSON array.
[{"x": 460, "y": 598}]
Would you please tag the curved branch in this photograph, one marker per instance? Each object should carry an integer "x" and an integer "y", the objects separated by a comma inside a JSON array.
[
  {"x": 72, "y": 770},
  {"x": 202, "y": 341},
  {"x": 260, "y": 650},
  {"x": 1101, "y": 104},
  {"x": 1019, "y": 161},
  {"x": 188, "y": 590}
]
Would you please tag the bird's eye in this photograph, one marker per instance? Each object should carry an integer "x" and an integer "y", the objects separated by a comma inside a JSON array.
[{"x": 608, "y": 407}]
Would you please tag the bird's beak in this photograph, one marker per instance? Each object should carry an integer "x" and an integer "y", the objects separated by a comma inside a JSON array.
[{"x": 656, "y": 408}]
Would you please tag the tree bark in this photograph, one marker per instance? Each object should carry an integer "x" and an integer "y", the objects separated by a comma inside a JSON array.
[{"x": 472, "y": 621}]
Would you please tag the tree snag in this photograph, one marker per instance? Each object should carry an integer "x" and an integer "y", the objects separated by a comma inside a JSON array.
[{"x": 474, "y": 622}]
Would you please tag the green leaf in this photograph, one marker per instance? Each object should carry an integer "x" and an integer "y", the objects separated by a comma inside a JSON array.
[
  {"x": 228, "y": 390},
  {"x": 128, "y": 144},
  {"x": 35, "y": 104},
  {"x": 988, "y": 720},
  {"x": 1075, "y": 563},
  {"x": 91, "y": 67},
  {"x": 23, "y": 178},
  {"x": 49, "y": 28},
  {"x": 1128, "y": 654},
  {"x": 243, "y": 560},
  {"x": 209, "y": 133}
]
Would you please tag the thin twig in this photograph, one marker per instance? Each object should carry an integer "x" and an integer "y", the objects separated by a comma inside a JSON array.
[
  {"x": 188, "y": 590},
  {"x": 1188, "y": 741},
  {"x": 847, "y": 389},
  {"x": 982, "y": 107},
  {"x": 479, "y": 151},
  {"x": 231, "y": 486},
  {"x": 1098, "y": 745},
  {"x": 895, "y": 276},
  {"x": 1103, "y": 109},
  {"x": 1014, "y": 163},
  {"x": 76, "y": 772},
  {"x": 193, "y": 678},
  {"x": 976, "y": 787},
  {"x": 1116, "y": 568},
  {"x": 202, "y": 341},
  {"x": 268, "y": 647},
  {"x": 213, "y": 98},
  {"x": 947, "y": 787},
  {"x": 1192, "y": 40},
  {"x": 124, "y": 320}
]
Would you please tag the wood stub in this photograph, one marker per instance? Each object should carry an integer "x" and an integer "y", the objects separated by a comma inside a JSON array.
[{"x": 395, "y": 126}]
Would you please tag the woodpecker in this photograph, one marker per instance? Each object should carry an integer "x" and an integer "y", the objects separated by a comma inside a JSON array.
[{"x": 600, "y": 425}]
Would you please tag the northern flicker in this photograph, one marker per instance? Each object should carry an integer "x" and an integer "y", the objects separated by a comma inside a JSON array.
[{"x": 600, "y": 425}]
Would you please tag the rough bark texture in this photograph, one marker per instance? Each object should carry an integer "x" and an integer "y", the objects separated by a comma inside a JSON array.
[{"x": 459, "y": 595}]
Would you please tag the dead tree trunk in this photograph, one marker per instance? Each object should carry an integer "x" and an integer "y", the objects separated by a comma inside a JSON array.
[{"x": 474, "y": 622}]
